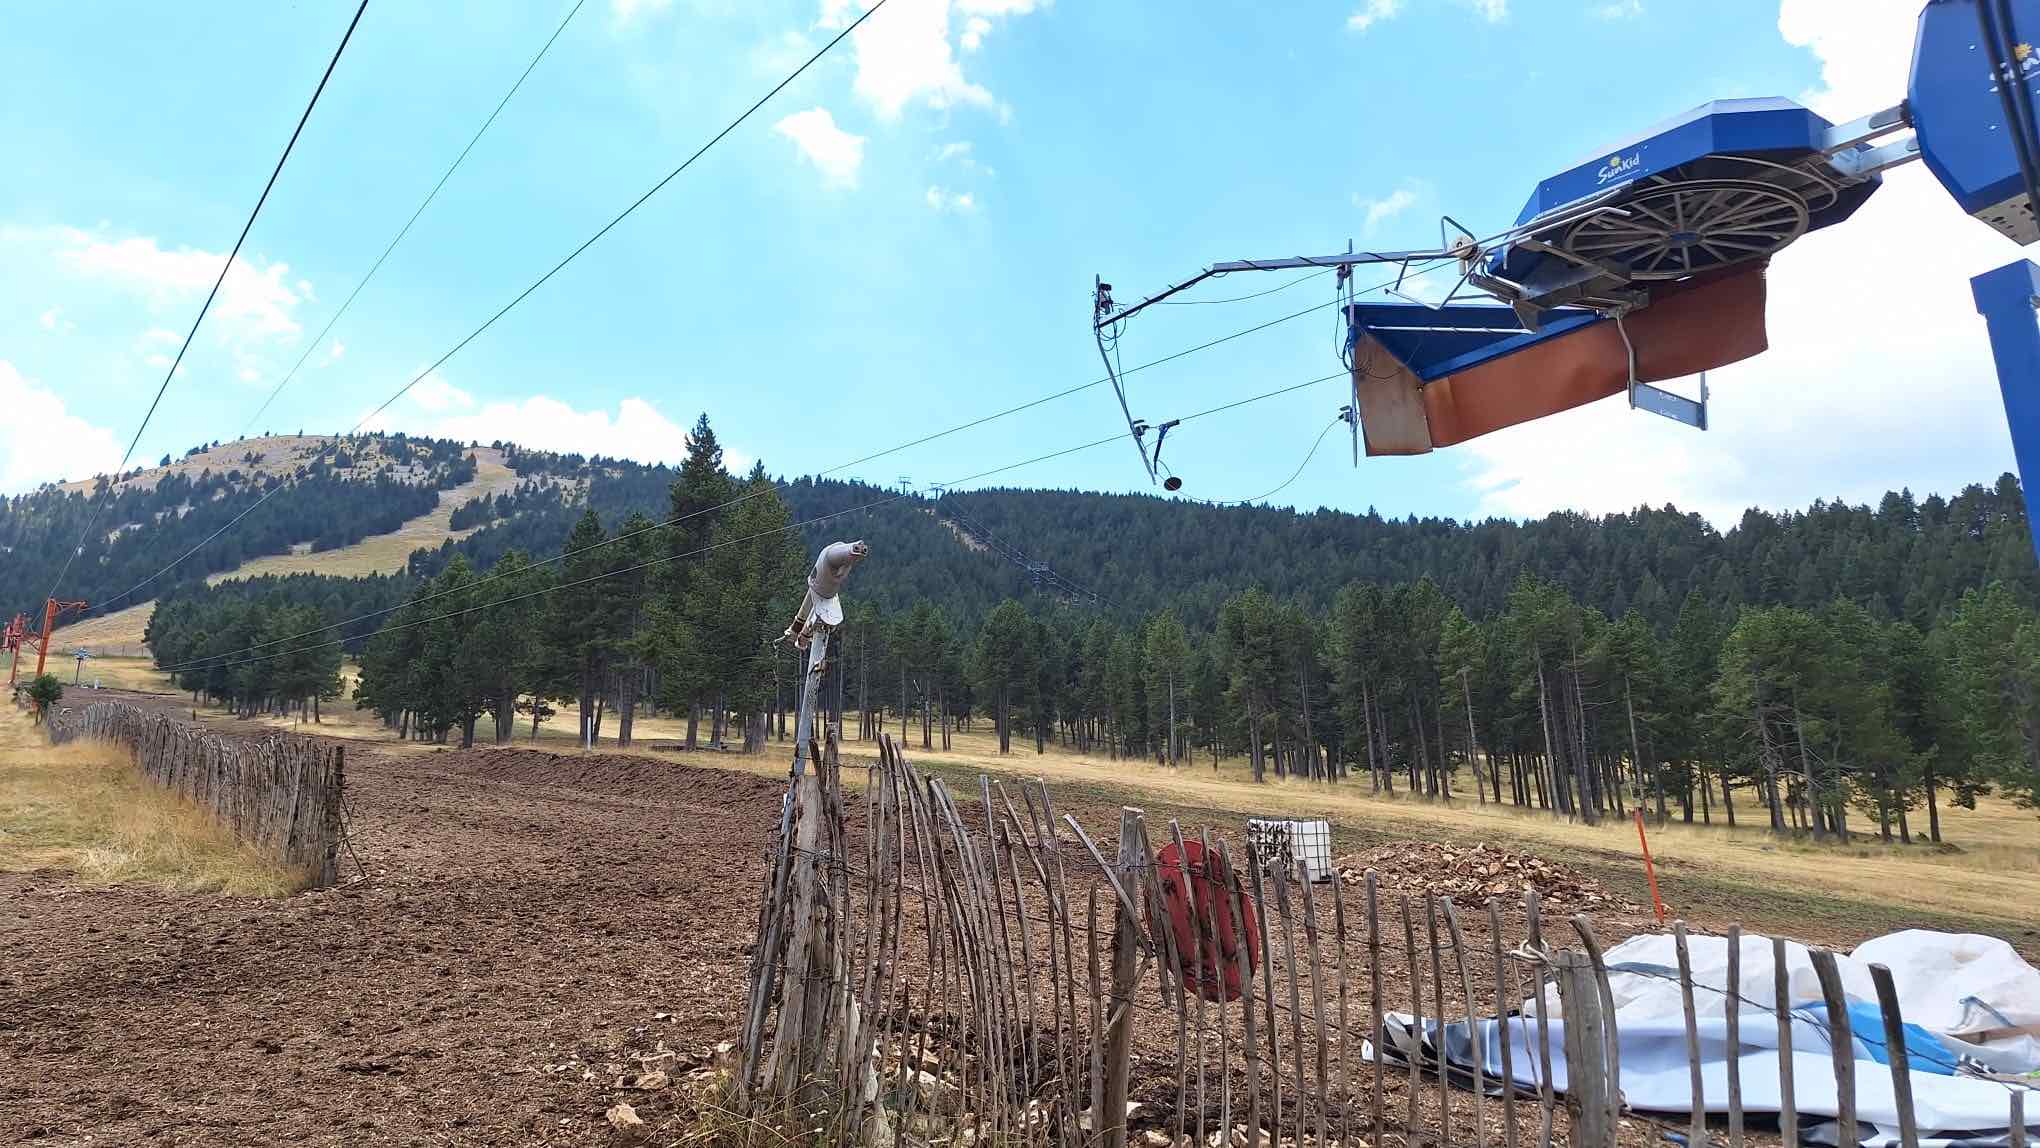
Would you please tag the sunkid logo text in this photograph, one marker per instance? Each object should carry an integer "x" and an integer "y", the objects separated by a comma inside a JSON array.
[{"x": 1618, "y": 166}]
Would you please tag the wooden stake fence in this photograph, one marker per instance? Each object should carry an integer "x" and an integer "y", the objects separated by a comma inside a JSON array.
[
  {"x": 281, "y": 792},
  {"x": 996, "y": 1009}
]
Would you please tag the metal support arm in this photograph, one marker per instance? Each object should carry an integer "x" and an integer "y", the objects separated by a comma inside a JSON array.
[{"x": 1343, "y": 259}]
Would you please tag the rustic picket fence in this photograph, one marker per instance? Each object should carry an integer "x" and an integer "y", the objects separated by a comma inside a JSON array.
[
  {"x": 990, "y": 972},
  {"x": 280, "y": 792}
]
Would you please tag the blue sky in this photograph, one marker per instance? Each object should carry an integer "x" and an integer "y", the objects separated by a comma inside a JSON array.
[{"x": 905, "y": 238}]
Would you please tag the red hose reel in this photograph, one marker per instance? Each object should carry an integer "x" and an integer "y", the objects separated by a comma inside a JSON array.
[{"x": 1225, "y": 910}]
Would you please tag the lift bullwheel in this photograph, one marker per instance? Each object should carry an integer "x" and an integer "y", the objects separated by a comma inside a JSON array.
[{"x": 1678, "y": 229}]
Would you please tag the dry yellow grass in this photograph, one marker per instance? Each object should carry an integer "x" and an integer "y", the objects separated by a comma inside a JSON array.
[
  {"x": 281, "y": 454},
  {"x": 1990, "y": 874},
  {"x": 118, "y": 634},
  {"x": 85, "y": 808}
]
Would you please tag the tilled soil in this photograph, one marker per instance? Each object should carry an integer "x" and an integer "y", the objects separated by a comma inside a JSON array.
[{"x": 527, "y": 927}]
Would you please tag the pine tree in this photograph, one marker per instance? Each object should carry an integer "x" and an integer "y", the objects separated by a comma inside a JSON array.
[
  {"x": 1003, "y": 664},
  {"x": 579, "y": 621},
  {"x": 1168, "y": 680},
  {"x": 1995, "y": 650}
]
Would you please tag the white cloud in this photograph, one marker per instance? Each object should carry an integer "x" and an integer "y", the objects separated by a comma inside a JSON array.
[
  {"x": 781, "y": 55},
  {"x": 636, "y": 430},
  {"x": 1373, "y": 12},
  {"x": 837, "y": 154},
  {"x": 41, "y": 441},
  {"x": 958, "y": 150},
  {"x": 909, "y": 53},
  {"x": 434, "y": 394},
  {"x": 334, "y": 352},
  {"x": 162, "y": 335},
  {"x": 1620, "y": 10},
  {"x": 253, "y": 303},
  {"x": 1375, "y": 212},
  {"x": 1864, "y": 48},
  {"x": 627, "y": 10},
  {"x": 942, "y": 199},
  {"x": 1879, "y": 372},
  {"x": 49, "y": 319},
  {"x": 250, "y": 374},
  {"x": 1493, "y": 11},
  {"x": 157, "y": 360}
]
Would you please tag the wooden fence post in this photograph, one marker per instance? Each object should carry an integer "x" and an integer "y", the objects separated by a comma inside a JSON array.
[
  {"x": 1788, "y": 1108},
  {"x": 1895, "y": 1056},
  {"x": 1697, "y": 1132},
  {"x": 1841, "y": 1044},
  {"x": 1110, "y": 1120},
  {"x": 1586, "y": 1062}
]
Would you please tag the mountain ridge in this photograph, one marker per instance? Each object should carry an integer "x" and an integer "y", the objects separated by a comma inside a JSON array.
[{"x": 1126, "y": 554}]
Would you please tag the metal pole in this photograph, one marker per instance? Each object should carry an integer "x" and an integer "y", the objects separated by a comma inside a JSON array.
[
  {"x": 2006, "y": 300},
  {"x": 42, "y": 648}
]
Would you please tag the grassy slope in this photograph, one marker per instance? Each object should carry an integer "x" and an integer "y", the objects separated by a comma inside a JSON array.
[
  {"x": 120, "y": 632},
  {"x": 84, "y": 808},
  {"x": 1708, "y": 874}
]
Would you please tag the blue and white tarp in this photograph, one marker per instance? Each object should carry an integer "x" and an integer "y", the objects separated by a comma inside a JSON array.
[{"x": 1971, "y": 1005}]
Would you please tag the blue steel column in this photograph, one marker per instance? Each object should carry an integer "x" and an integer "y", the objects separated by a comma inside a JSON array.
[{"x": 2006, "y": 298}]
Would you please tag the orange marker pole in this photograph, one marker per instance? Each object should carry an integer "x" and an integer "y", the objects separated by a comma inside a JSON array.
[{"x": 1649, "y": 868}]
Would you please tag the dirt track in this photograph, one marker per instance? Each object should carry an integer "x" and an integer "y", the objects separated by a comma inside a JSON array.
[{"x": 528, "y": 922}]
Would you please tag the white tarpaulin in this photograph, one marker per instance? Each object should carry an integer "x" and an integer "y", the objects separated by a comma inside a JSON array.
[{"x": 1971, "y": 1006}]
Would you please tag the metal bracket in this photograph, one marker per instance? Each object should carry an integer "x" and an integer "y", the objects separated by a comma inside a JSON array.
[
  {"x": 1861, "y": 163},
  {"x": 1845, "y": 137},
  {"x": 1678, "y": 408},
  {"x": 1657, "y": 400},
  {"x": 1102, "y": 316}
]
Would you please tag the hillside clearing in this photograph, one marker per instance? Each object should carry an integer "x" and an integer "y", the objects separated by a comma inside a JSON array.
[{"x": 120, "y": 633}]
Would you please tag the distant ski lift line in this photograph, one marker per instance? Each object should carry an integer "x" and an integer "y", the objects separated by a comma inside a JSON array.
[{"x": 1019, "y": 558}]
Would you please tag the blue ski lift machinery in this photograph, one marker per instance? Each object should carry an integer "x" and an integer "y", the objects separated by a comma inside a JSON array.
[{"x": 1646, "y": 263}]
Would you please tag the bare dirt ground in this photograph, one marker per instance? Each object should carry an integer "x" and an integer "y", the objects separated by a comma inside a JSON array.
[
  {"x": 526, "y": 924},
  {"x": 530, "y": 924}
]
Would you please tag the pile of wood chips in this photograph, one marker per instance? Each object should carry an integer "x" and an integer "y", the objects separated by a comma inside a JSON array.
[{"x": 1471, "y": 875}]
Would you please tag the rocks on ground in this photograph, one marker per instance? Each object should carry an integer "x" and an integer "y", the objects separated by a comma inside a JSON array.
[{"x": 1471, "y": 874}]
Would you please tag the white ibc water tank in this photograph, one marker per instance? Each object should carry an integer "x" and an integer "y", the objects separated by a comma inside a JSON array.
[{"x": 1281, "y": 844}]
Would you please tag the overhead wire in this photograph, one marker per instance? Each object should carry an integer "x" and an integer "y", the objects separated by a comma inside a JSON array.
[
  {"x": 405, "y": 230},
  {"x": 1293, "y": 475},
  {"x": 1244, "y": 298},
  {"x": 1019, "y": 557},
  {"x": 634, "y": 205},
  {"x": 535, "y": 285},
  {"x": 840, "y": 467},
  {"x": 92, "y": 523}
]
